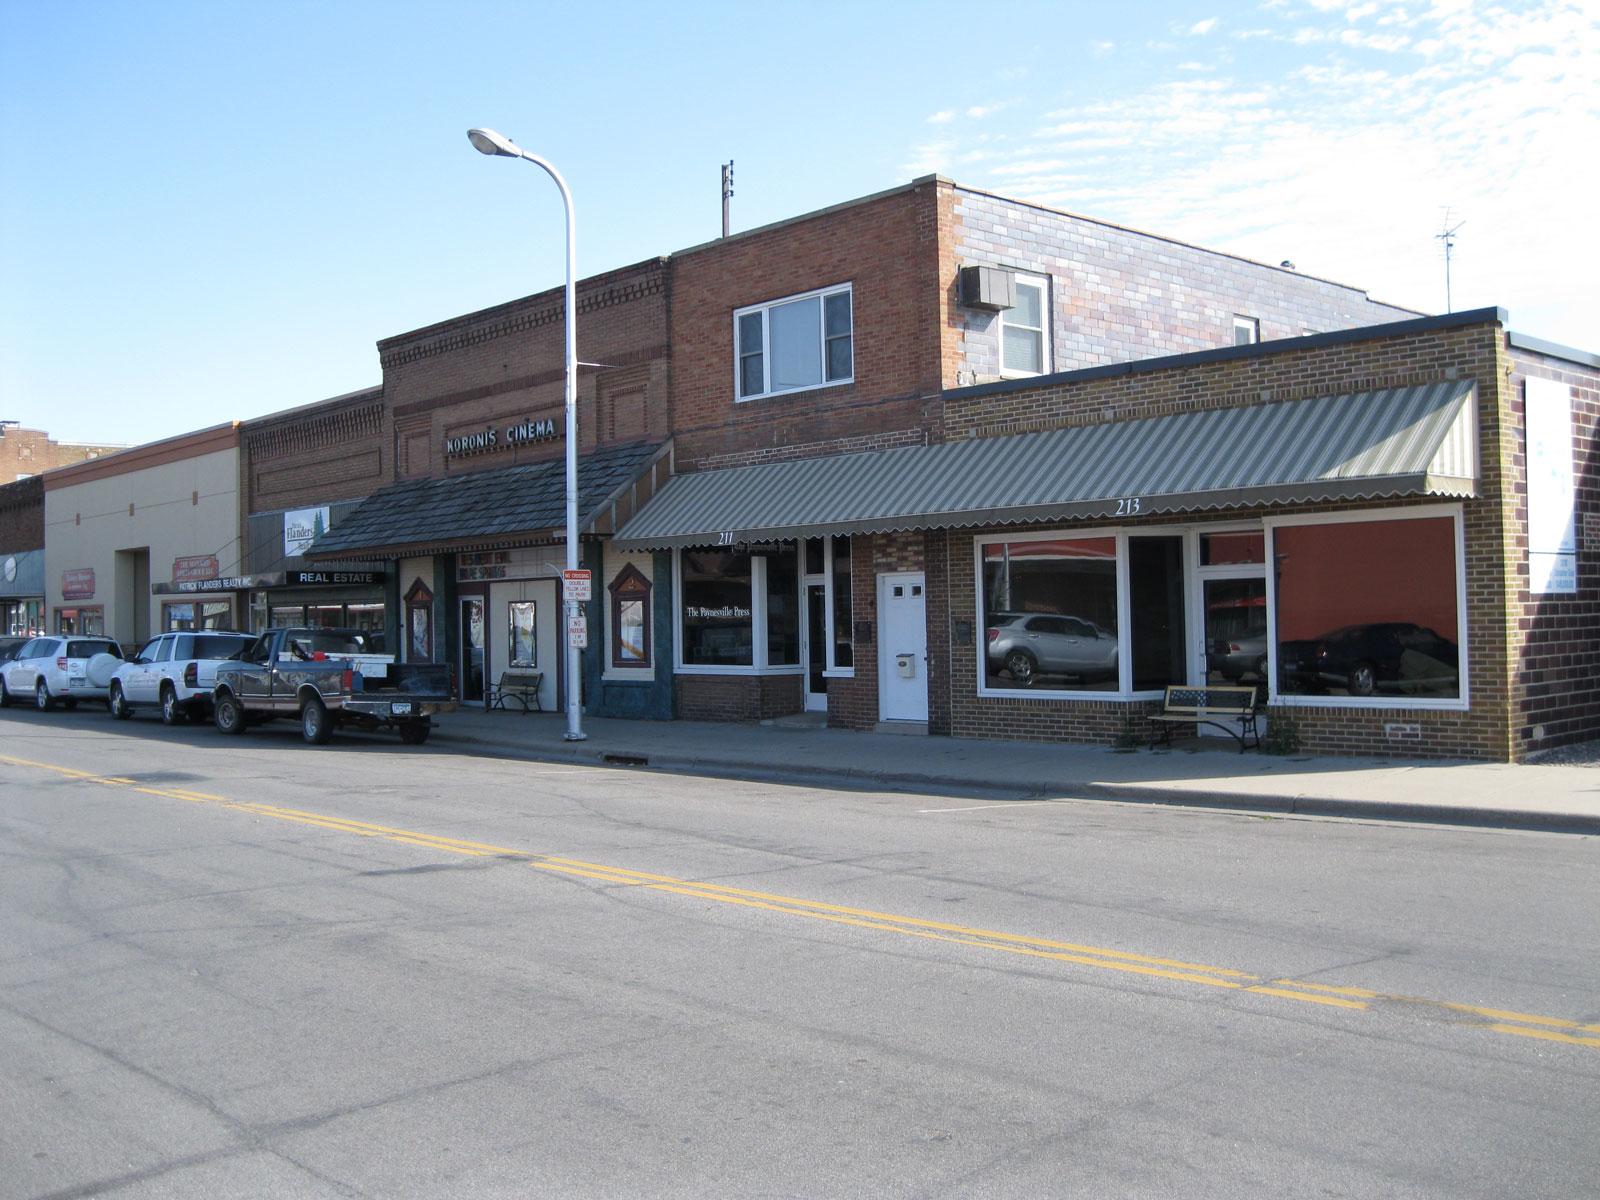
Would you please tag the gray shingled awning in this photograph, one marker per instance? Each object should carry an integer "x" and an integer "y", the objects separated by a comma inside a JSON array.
[
  {"x": 1364, "y": 445},
  {"x": 484, "y": 509}
]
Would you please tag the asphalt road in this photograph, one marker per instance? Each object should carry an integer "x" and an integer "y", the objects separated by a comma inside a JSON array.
[{"x": 249, "y": 967}]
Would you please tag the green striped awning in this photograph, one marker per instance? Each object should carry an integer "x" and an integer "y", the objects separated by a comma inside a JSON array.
[{"x": 1417, "y": 441}]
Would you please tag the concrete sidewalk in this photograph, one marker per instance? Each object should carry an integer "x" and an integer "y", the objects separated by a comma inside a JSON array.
[{"x": 1205, "y": 772}]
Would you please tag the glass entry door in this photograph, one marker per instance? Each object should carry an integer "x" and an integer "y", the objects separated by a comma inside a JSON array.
[
  {"x": 816, "y": 647},
  {"x": 1236, "y": 631},
  {"x": 473, "y": 636}
]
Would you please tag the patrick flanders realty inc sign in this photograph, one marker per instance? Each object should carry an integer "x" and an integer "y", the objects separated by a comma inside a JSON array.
[
  {"x": 494, "y": 438},
  {"x": 302, "y": 527}
]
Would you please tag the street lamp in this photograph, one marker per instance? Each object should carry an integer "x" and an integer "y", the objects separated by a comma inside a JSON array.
[{"x": 487, "y": 141}]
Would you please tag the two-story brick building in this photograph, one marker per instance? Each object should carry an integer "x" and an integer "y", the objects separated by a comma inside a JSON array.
[{"x": 939, "y": 459}]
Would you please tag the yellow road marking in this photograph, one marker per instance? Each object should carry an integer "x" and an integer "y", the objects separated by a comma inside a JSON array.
[{"x": 1502, "y": 1021}]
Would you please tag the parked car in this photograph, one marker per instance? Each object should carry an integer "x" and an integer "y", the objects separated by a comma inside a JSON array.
[
  {"x": 176, "y": 671},
  {"x": 9, "y": 646},
  {"x": 59, "y": 667},
  {"x": 325, "y": 678},
  {"x": 1028, "y": 645},
  {"x": 1239, "y": 654},
  {"x": 1390, "y": 656}
]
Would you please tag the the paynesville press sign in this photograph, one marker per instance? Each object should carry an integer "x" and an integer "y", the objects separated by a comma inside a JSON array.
[{"x": 494, "y": 438}]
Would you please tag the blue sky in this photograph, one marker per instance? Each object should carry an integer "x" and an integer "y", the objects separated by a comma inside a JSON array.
[{"x": 213, "y": 211}]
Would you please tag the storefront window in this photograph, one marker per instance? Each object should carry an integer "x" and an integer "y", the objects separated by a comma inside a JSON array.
[
  {"x": 198, "y": 614},
  {"x": 843, "y": 632},
  {"x": 1050, "y": 614},
  {"x": 1157, "y": 645},
  {"x": 284, "y": 616},
  {"x": 1368, "y": 609},
  {"x": 419, "y": 623},
  {"x": 783, "y": 609},
  {"x": 718, "y": 616},
  {"x": 364, "y": 616},
  {"x": 86, "y": 622},
  {"x": 1233, "y": 547}
]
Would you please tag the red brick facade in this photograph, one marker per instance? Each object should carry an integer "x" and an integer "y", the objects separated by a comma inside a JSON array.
[
  {"x": 329, "y": 451},
  {"x": 26, "y": 452},
  {"x": 506, "y": 365}
]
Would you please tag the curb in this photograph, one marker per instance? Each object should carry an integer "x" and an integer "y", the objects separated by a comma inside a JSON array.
[{"x": 1397, "y": 812}]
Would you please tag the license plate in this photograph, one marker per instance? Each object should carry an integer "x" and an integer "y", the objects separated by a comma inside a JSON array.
[{"x": 400, "y": 708}]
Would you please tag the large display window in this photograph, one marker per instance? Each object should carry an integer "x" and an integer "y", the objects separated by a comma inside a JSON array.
[
  {"x": 739, "y": 609},
  {"x": 1370, "y": 609},
  {"x": 1050, "y": 614}
]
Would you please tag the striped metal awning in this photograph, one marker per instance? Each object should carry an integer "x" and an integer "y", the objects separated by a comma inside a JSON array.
[{"x": 1417, "y": 441}]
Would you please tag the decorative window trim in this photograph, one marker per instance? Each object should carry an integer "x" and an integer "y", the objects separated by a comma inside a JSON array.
[
  {"x": 631, "y": 584},
  {"x": 418, "y": 598},
  {"x": 1042, "y": 283},
  {"x": 764, "y": 309}
]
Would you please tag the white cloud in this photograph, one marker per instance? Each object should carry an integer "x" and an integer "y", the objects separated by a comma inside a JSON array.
[
  {"x": 1340, "y": 147},
  {"x": 1201, "y": 28},
  {"x": 943, "y": 117},
  {"x": 979, "y": 111},
  {"x": 1102, "y": 49}
]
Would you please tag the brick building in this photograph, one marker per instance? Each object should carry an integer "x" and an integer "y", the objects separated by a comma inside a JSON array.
[
  {"x": 22, "y": 557},
  {"x": 851, "y": 461},
  {"x": 25, "y": 452}
]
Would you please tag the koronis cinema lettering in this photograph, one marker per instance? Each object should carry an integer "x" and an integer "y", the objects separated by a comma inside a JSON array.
[{"x": 509, "y": 438}]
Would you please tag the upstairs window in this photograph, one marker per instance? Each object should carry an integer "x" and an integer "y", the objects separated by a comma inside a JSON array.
[
  {"x": 1024, "y": 346},
  {"x": 795, "y": 343},
  {"x": 1246, "y": 330}
]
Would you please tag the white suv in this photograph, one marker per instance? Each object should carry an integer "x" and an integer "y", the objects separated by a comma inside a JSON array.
[
  {"x": 55, "y": 668},
  {"x": 176, "y": 671}
]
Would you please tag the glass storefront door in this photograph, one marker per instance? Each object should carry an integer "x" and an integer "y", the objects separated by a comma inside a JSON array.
[
  {"x": 816, "y": 647},
  {"x": 474, "y": 636},
  {"x": 1236, "y": 630}
]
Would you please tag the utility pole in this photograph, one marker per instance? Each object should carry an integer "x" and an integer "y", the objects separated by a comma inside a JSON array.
[
  {"x": 1448, "y": 237},
  {"x": 727, "y": 193}
]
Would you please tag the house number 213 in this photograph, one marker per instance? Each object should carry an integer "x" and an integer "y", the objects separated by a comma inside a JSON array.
[{"x": 1128, "y": 507}]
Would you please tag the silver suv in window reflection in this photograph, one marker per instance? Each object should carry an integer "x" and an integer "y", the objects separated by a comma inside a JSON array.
[{"x": 1026, "y": 646}]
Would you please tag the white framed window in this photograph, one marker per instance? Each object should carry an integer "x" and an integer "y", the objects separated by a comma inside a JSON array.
[
  {"x": 1246, "y": 330},
  {"x": 1024, "y": 329},
  {"x": 738, "y": 610},
  {"x": 1369, "y": 609},
  {"x": 793, "y": 344}
]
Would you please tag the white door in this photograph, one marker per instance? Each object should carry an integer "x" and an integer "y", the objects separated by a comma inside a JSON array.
[{"x": 902, "y": 647}]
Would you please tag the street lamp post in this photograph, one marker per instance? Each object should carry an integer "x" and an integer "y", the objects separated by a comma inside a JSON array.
[{"x": 487, "y": 141}]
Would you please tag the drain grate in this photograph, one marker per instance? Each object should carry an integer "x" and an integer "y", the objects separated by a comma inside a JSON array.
[{"x": 626, "y": 760}]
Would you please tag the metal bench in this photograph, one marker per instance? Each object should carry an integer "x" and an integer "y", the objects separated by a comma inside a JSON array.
[
  {"x": 1230, "y": 709},
  {"x": 517, "y": 687}
]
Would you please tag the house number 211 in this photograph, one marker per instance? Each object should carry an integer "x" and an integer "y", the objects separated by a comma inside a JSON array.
[{"x": 1128, "y": 507}]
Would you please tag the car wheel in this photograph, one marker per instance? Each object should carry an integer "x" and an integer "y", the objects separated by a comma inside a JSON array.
[
  {"x": 118, "y": 703},
  {"x": 171, "y": 711},
  {"x": 1021, "y": 667},
  {"x": 42, "y": 700},
  {"x": 228, "y": 716},
  {"x": 414, "y": 733},
  {"x": 1363, "y": 681},
  {"x": 316, "y": 726}
]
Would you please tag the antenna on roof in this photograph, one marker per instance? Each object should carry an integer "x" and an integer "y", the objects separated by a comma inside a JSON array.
[
  {"x": 727, "y": 193},
  {"x": 1448, "y": 237}
]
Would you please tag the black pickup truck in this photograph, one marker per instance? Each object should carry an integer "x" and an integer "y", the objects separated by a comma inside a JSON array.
[{"x": 327, "y": 678}]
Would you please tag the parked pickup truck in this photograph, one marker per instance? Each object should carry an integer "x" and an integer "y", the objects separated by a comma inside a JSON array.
[{"x": 328, "y": 678}]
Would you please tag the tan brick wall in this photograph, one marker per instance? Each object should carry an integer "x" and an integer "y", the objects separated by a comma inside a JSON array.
[
  {"x": 1473, "y": 352},
  {"x": 1555, "y": 639}
]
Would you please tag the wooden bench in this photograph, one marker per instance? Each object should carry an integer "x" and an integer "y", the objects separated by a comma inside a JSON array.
[
  {"x": 1230, "y": 709},
  {"x": 519, "y": 687}
]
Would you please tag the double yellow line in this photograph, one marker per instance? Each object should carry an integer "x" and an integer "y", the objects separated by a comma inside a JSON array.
[{"x": 1517, "y": 1024}]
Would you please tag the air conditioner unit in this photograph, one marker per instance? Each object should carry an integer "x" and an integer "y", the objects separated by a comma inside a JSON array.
[{"x": 991, "y": 288}]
